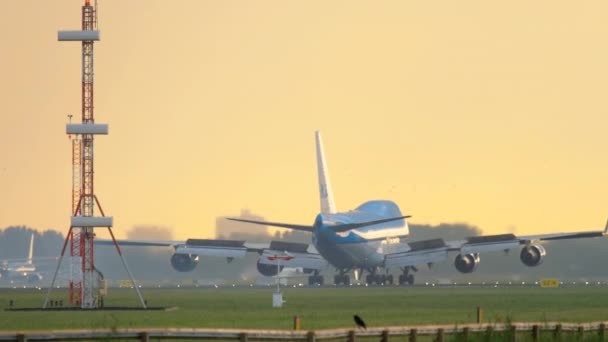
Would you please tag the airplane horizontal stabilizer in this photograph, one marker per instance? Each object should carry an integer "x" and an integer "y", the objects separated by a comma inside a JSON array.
[
  {"x": 276, "y": 224},
  {"x": 350, "y": 226},
  {"x": 337, "y": 228}
]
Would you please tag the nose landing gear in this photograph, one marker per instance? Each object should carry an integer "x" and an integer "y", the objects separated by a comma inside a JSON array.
[{"x": 342, "y": 279}]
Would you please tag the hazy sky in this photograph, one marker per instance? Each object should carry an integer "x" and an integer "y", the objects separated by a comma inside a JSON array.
[{"x": 493, "y": 114}]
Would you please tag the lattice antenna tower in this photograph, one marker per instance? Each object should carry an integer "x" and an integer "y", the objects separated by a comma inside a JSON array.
[{"x": 85, "y": 280}]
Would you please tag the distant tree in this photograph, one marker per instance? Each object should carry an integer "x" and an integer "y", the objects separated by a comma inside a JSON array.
[
  {"x": 446, "y": 231},
  {"x": 15, "y": 242},
  {"x": 150, "y": 232}
]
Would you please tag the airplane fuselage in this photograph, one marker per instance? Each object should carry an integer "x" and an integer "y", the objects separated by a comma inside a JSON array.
[
  {"x": 364, "y": 247},
  {"x": 19, "y": 272}
]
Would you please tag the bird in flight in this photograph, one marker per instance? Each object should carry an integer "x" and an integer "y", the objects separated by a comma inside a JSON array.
[{"x": 360, "y": 322}]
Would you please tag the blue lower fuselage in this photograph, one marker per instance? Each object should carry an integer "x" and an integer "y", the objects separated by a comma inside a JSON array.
[{"x": 363, "y": 247}]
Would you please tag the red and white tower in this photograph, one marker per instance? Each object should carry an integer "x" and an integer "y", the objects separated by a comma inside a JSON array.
[{"x": 85, "y": 279}]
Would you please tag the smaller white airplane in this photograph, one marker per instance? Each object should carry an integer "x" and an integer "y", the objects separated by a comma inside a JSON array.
[{"x": 21, "y": 269}]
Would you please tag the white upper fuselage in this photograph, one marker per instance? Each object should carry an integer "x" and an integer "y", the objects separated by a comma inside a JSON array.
[{"x": 363, "y": 247}]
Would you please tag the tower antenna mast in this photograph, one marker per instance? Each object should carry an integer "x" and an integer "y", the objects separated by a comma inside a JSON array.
[{"x": 85, "y": 281}]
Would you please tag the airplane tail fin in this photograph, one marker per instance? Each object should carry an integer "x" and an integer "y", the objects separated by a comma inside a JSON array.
[
  {"x": 31, "y": 252},
  {"x": 328, "y": 205}
]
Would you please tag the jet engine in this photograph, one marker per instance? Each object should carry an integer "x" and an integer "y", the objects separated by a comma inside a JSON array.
[
  {"x": 268, "y": 270},
  {"x": 532, "y": 255},
  {"x": 184, "y": 262},
  {"x": 34, "y": 277},
  {"x": 466, "y": 263}
]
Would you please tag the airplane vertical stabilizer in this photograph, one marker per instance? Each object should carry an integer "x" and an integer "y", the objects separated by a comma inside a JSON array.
[
  {"x": 328, "y": 206},
  {"x": 31, "y": 253}
]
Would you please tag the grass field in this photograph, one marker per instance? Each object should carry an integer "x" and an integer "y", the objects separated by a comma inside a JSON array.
[{"x": 318, "y": 307}]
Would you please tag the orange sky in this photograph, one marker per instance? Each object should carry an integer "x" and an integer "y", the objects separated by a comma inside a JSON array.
[{"x": 488, "y": 113}]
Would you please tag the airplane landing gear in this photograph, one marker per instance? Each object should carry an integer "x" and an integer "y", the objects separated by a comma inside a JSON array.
[
  {"x": 342, "y": 279},
  {"x": 379, "y": 279},
  {"x": 406, "y": 278},
  {"x": 315, "y": 279}
]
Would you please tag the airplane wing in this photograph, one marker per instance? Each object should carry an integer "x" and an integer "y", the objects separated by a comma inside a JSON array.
[
  {"x": 204, "y": 247},
  {"x": 37, "y": 259},
  {"x": 303, "y": 255},
  {"x": 436, "y": 250},
  {"x": 477, "y": 244},
  {"x": 418, "y": 253},
  {"x": 140, "y": 243}
]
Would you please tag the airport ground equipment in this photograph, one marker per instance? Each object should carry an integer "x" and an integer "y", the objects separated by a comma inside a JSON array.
[
  {"x": 277, "y": 297},
  {"x": 86, "y": 280}
]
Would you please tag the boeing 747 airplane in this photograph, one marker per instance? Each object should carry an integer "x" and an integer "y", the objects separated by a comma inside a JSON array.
[{"x": 372, "y": 238}]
